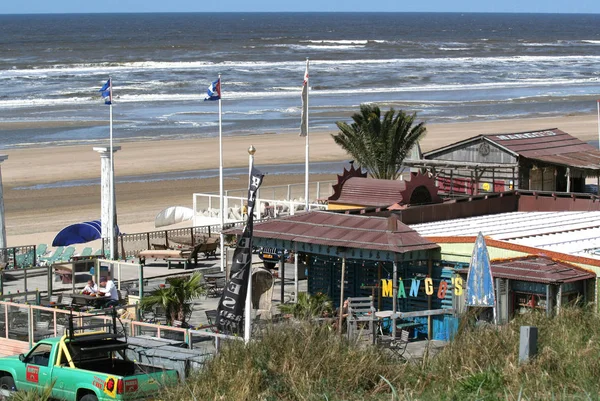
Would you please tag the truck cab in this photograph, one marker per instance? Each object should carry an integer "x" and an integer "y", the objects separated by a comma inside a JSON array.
[{"x": 83, "y": 365}]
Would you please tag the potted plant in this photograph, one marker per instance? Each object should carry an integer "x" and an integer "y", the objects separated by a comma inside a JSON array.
[{"x": 175, "y": 297}]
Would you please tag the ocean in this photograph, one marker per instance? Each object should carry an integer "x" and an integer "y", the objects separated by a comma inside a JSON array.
[{"x": 445, "y": 67}]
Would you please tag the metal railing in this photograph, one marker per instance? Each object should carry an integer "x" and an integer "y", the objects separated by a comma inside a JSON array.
[
  {"x": 18, "y": 257},
  {"x": 207, "y": 208}
]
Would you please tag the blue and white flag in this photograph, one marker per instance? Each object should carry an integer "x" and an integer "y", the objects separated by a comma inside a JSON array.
[
  {"x": 106, "y": 92},
  {"x": 214, "y": 91}
]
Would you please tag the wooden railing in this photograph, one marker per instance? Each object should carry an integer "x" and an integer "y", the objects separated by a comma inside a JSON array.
[
  {"x": 23, "y": 325},
  {"x": 129, "y": 245}
]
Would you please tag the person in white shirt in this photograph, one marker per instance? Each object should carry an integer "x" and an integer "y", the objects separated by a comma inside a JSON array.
[
  {"x": 108, "y": 290},
  {"x": 90, "y": 288}
]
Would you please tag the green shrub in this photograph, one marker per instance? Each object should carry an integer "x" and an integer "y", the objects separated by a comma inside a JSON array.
[{"x": 308, "y": 362}]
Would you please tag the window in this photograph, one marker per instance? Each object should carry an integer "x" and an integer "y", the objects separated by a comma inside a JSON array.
[{"x": 40, "y": 355}]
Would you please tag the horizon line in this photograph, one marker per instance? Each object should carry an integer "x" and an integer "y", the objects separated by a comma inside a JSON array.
[{"x": 298, "y": 12}]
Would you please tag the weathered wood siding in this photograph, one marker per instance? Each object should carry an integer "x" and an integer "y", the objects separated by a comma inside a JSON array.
[{"x": 473, "y": 152}]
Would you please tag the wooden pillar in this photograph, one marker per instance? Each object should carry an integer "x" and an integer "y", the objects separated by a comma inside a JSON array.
[
  {"x": 568, "y": 179},
  {"x": 430, "y": 272},
  {"x": 514, "y": 183},
  {"x": 341, "y": 308},
  {"x": 296, "y": 282},
  {"x": 394, "y": 295},
  {"x": 281, "y": 276}
]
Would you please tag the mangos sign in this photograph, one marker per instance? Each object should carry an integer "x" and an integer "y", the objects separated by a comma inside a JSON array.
[{"x": 415, "y": 287}]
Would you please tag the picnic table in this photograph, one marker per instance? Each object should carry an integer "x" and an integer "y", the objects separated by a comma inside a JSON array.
[
  {"x": 22, "y": 333},
  {"x": 135, "y": 291},
  {"x": 87, "y": 300},
  {"x": 400, "y": 323},
  {"x": 214, "y": 276}
]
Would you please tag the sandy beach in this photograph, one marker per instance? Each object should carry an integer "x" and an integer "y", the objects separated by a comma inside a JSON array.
[{"x": 35, "y": 215}]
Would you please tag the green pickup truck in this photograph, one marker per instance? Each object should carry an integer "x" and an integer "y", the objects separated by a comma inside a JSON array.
[{"x": 84, "y": 366}]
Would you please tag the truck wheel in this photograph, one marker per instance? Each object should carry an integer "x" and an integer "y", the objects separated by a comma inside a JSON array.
[
  {"x": 7, "y": 383},
  {"x": 89, "y": 397}
]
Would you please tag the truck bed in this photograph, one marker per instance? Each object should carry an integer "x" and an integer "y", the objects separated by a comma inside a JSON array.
[{"x": 118, "y": 367}]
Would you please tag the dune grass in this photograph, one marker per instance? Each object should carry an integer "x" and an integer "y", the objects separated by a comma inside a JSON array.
[{"x": 307, "y": 362}]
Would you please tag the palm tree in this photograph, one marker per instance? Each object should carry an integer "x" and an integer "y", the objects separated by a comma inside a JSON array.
[
  {"x": 176, "y": 297},
  {"x": 379, "y": 145}
]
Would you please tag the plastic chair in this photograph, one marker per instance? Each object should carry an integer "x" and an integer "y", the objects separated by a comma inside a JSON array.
[
  {"x": 41, "y": 250},
  {"x": 87, "y": 251},
  {"x": 67, "y": 254},
  {"x": 55, "y": 256}
]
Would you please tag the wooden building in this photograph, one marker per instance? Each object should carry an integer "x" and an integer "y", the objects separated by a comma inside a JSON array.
[
  {"x": 355, "y": 191},
  {"x": 366, "y": 251},
  {"x": 544, "y": 160},
  {"x": 537, "y": 283}
]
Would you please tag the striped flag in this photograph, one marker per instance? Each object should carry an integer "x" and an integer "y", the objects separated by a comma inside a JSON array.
[
  {"x": 214, "y": 90},
  {"x": 106, "y": 91},
  {"x": 304, "y": 121}
]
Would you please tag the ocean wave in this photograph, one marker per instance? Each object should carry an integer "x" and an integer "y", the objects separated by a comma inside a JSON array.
[
  {"x": 453, "y": 48},
  {"x": 590, "y": 41},
  {"x": 295, "y": 92},
  {"x": 340, "y": 42},
  {"x": 101, "y": 70}
]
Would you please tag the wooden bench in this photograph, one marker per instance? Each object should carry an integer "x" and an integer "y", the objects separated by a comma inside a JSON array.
[
  {"x": 209, "y": 247},
  {"x": 179, "y": 256}
]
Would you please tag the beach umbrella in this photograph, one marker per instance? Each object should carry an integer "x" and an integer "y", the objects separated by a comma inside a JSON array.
[
  {"x": 173, "y": 215},
  {"x": 79, "y": 233}
]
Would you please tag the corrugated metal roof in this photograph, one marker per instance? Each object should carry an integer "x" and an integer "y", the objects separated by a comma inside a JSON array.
[
  {"x": 566, "y": 232},
  {"x": 540, "y": 270},
  {"x": 362, "y": 191},
  {"x": 550, "y": 145},
  {"x": 343, "y": 230}
]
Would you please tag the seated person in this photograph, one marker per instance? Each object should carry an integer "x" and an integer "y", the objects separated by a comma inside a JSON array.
[
  {"x": 91, "y": 288},
  {"x": 344, "y": 312},
  {"x": 108, "y": 292}
]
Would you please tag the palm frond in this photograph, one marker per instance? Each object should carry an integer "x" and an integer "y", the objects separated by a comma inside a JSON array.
[{"x": 379, "y": 144}]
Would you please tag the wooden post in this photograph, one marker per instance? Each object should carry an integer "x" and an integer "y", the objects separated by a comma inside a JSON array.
[
  {"x": 378, "y": 285},
  {"x": 395, "y": 295},
  {"x": 281, "y": 275},
  {"x": 430, "y": 272},
  {"x": 123, "y": 256},
  {"x": 568, "y": 179},
  {"x": 148, "y": 240},
  {"x": 141, "y": 281},
  {"x": 514, "y": 183},
  {"x": 296, "y": 267},
  {"x": 341, "y": 308}
]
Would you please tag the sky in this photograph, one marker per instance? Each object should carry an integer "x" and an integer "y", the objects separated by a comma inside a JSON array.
[{"x": 129, "y": 6}]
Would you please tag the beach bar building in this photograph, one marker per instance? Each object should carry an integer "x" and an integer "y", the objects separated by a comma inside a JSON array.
[
  {"x": 535, "y": 282},
  {"x": 544, "y": 160},
  {"x": 368, "y": 249}
]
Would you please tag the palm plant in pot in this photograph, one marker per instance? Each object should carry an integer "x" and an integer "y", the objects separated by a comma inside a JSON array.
[{"x": 176, "y": 297}]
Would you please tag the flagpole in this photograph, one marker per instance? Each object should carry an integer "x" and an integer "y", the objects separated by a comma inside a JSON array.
[
  {"x": 248, "y": 308},
  {"x": 306, "y": 169},
  {"x": 221, "y": 200},
  {"x": 111, "y": 219}
]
